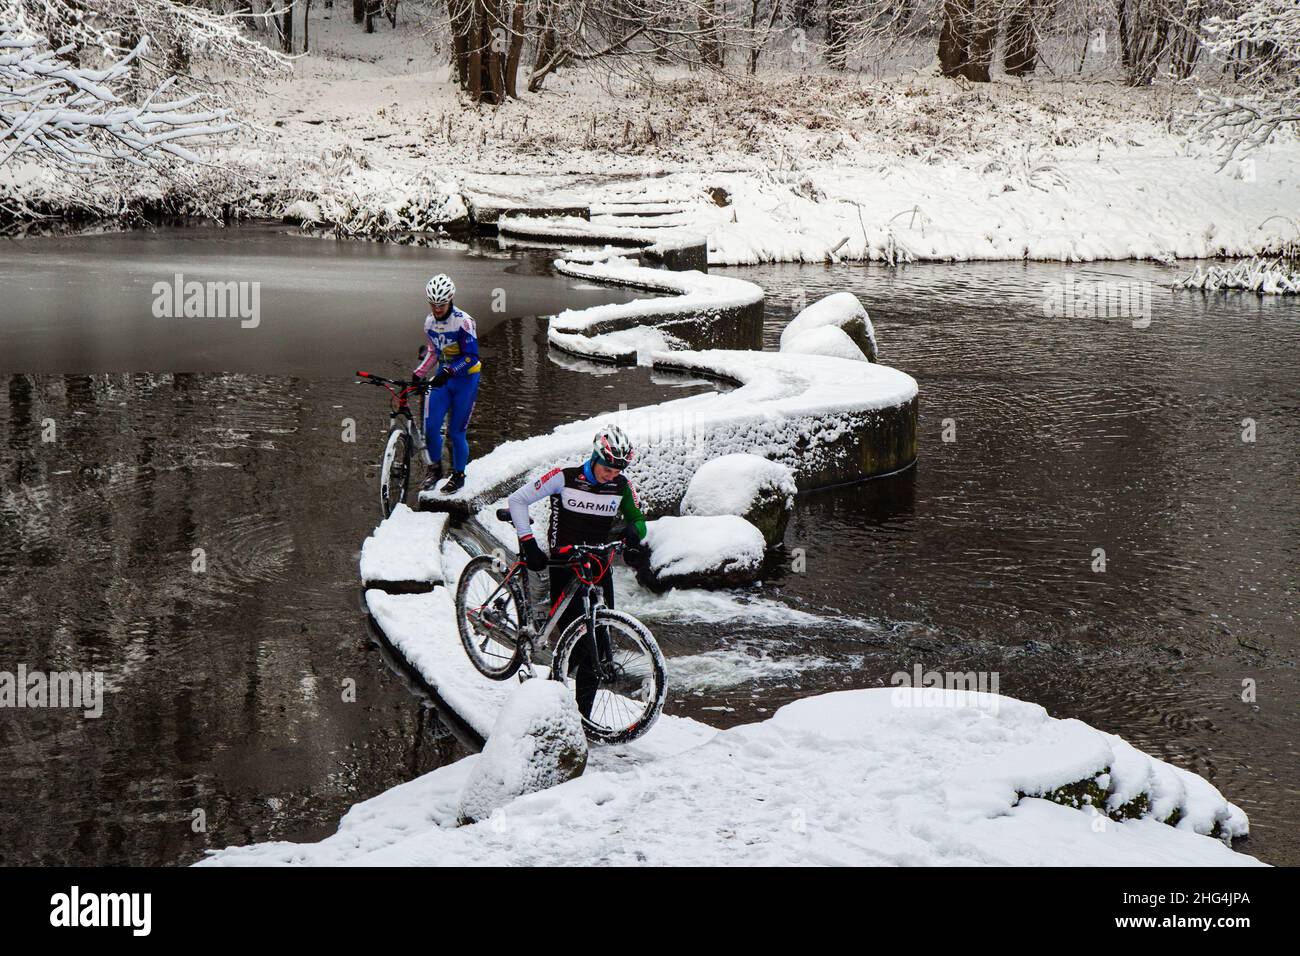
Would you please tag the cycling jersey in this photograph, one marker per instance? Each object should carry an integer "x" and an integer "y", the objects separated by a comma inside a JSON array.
[
  {"x": 583, "y": 510},
  {"x": 453, "y": 344}
]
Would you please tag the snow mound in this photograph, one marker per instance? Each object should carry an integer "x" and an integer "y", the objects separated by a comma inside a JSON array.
[
  {"x": 734, "y": 484},
  {"x": 863, "y": 777},
  {"x": 406, "y": 549},
  {"x": 699, "y": 551},
  {"x": 826, "y": 340},
  {"x": 808, "y": 332},
  {"x": 536, "y": 743}
]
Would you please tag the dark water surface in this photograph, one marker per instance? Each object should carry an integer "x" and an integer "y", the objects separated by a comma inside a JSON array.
[
  {"x": 228, "y": 686},
  {"x": 1072, "y": 435}
]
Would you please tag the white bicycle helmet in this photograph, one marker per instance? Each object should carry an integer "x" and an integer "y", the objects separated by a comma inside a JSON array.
[
  {"x": 612, "y": 448},
  {"x": 440, "y": 289}
]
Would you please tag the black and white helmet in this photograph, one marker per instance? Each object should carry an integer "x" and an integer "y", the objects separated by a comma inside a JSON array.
[
  {"x": 440, "y": 289},
  {"x": 612, "y": 448}
]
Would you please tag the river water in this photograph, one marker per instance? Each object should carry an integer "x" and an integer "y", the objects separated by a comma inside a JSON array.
[{"x": 249, "y": 700}]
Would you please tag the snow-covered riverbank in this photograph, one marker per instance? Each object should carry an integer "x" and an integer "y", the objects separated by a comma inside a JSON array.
[{"x": 372, "y": 137}]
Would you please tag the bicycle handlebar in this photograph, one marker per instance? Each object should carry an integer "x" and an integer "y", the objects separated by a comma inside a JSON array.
[
  {"x": 579, "y": 551},
  {"x": 368, "y": 378}
]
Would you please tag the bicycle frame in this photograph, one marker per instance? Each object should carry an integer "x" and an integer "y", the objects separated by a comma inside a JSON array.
[
  {"x": 401, "y": 406},
  {"x": 592, "y": 596}
]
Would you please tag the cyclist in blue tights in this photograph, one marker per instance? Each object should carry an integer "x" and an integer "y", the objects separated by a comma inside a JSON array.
[{"x": 453, "y": 353}]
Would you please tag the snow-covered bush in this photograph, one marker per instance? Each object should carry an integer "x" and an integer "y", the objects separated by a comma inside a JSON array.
[
  {"x": 1257, "y": 275},
  {"x": 1261, "y": 39},
  {"x": 841, "y": 311},
  {"x": 758, "y": 490},
  {"x": 537, "y": 742}
]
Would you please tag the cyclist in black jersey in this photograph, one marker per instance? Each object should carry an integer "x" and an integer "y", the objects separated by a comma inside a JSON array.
[{"x": 586, "y": 501}]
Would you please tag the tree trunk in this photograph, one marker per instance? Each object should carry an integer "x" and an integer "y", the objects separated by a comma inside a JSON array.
[
  {"x": 286, "y": 27},
  {"x": 546, "y": 46},
  {"x": 967, "y": 38},
  {"x": 460, "y": 16},
  {"x": 953, "y": 35},
  {"x": 837, "y": 18},
  {"x": 1020, "y": 57},
  {"x": 494, "y": 39},
  {"x": 517, "y": 27},
  {"x": 358, "y": 10},
  {"x": 710, "y": 47}
]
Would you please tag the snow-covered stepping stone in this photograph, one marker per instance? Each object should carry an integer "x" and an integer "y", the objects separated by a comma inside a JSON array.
[
  {"x": 696, "y": 551},
  {"x": 404, "y": 554},
  {"x": 837, "y": 325},
  {"x": 760, "y": 491}
]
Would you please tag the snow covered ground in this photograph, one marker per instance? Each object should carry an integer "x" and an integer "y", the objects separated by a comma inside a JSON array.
[
  {"x": 865, "y": 777},
  {"x": 372, "y": 135}
]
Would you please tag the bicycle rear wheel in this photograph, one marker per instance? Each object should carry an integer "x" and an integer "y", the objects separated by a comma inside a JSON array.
[
  {"x": 629, "y": 678},
  {"x": 490, "y": 615},
  {"x": 395, "y": 472}
]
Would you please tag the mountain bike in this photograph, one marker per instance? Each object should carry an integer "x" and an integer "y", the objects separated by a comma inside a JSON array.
[
  {"x": 503, "y": 633},
  {"x": 405, "y": 434}
]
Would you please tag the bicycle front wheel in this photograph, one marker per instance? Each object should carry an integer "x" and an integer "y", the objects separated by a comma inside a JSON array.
[
  {"x": 490, "y": 614},
  {"x": 619, "y": 683},
  {"x": 395, "y": 472}
]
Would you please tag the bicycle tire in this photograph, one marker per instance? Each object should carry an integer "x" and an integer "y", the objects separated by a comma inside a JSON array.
[
  {"x": 393, "y": 483},
  {"x": 494, "y": 666},
  {"x": 651, "y": 666}
]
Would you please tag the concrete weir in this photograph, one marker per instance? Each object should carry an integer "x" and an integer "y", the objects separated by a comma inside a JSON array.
[
  {"x": 485, "y": 212},
  {"x": 831, "y": 419}
]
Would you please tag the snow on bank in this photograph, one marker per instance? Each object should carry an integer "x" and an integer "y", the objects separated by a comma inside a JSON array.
[
  {"x": 865, "y": 777},
  {"x": 376, "y": 136}
]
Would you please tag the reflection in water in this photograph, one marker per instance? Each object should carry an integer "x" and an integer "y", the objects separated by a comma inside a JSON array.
[
  {"x": 225, "y": 678},
  {"x": 227, "y": 685}
]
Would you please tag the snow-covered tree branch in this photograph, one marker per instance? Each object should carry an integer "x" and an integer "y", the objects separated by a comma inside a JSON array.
[
  {"x": 54, "y": 111},
  {"x": 1261, "y": 42}
]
